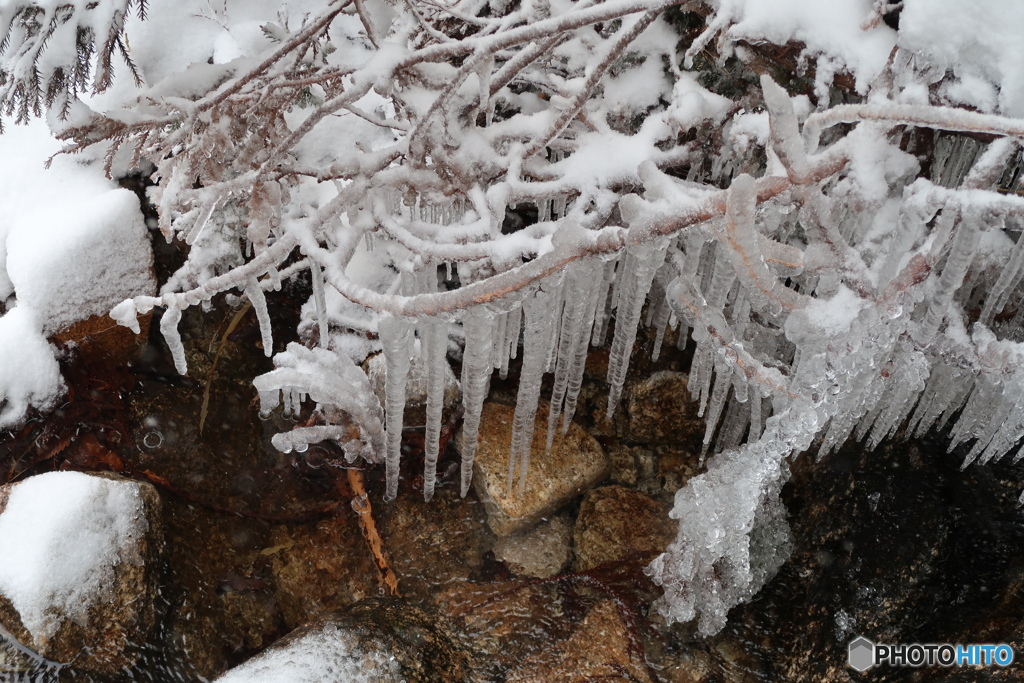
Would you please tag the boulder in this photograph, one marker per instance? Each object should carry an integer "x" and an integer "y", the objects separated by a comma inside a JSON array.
[
  {"x": 617, "y": 523},
  {"x": 660, "y": 411},
  {"x": 603, "y": 648},
  {"x": 78, "y": 567},
  {"x": 576, "y": 463},
  {"x": 379, "y": 640}
]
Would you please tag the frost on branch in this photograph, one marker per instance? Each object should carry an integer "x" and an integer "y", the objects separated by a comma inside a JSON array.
[
  {"x": 349, "y": 411},
  {"x": 848, "y": 271}
]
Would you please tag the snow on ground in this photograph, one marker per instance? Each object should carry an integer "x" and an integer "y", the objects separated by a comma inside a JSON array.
[
  {"x": 72, "y": 245},
  {"x": 61, "y": 536},
  {"x": 323, "y": 656}
]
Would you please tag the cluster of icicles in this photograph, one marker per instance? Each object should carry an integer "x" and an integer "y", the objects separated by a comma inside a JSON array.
[{"x": 750, "y": 353}]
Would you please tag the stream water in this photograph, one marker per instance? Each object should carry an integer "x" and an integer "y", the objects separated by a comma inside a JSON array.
[{"x": 897, "y": 545}]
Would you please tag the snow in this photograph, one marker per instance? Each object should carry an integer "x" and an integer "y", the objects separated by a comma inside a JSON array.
[
  {"x": 62, "y": 535},
  {"x": 325, "y": 655},
  {"x": 832, "y": 28},
  {"x": 29, "y": 374},
  {"x": 979, "y": 41},
  {"x": 61, "y": 227},
  {"x": 72, "y": 245},
  {"x": 833, "y": 317}
]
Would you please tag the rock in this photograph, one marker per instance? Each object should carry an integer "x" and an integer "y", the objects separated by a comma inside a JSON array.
[
  {"x": 416, "y": 388},
  {"x": 624, "y": 465},
  {"x": 378, "y": 640},
  {"x": 576, "y": 462},
  {"x": 616, "y": 523},
  {"x": 897, "y": 545},
  {"x": 78, "y": 567},
  {"x": 433, "y": 544},
  {"x": 100, "y": 337},
  {"x": 602, "y": 648},
  {"x": 320, "y": 567},
  {"x": 541, "y": 552},
  {"x": 660, "y": 411}
]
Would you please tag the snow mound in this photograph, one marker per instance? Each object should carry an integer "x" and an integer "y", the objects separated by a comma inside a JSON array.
[
  {"x": 62, "y": 535},
  {"x": 29, "y": 374},
  {"x": 325, "y": 655},
  {"x": 74, "y": 243}
]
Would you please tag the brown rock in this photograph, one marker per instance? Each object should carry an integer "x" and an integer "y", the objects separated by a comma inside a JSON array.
[
  {"x": 576, "y": 462},
  {"x": 101, "y": 337},
  {"x": 107, "y": 640},
  {"x": 660, "y": 411},
  {"x": 616, "y": 523},
  {"x": 602, "y": 648},
  {"x": 433, "y": 544},
  {"x": 320, "y": 567}
]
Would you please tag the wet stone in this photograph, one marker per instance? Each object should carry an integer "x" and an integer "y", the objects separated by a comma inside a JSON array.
[
  {"x": 319, "y": 567},
  {"x": 602, "y": 648},
  {"x": 616, "y": 523},
  {"x": 576, "y": 463},
  {"x": 541, "y": 552},
  {"x": 222, "y": 590},
  {"x": 120, "y": 611},
  {"x": 378, "y": 640},
  {"x": 432, "y": 544},
  {"x": 660, "y": 411},
  {"x": 624, "y": 465}
]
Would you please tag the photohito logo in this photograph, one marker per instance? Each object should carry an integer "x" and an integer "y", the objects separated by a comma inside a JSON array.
[{"x": 864, "y": 654}]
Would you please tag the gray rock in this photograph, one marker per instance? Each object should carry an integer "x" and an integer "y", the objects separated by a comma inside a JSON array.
[
  {"x": 576, "y": 463},
  {"x": 541, "y": 552}
]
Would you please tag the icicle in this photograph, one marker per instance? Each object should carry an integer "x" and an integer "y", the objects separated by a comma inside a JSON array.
[
  {"x": 397, "y": 339},
  {"x": 499, "y": 351},
  {"x": 734, "y": 426},
  {"x": 718, "y": 397},
  {"x": 320, "y": 302},
  {"x": 510, "y": 341},
  {"x": 515, "y": 326},
  {"x": 535, "y": 338},
  {"x": 169, "y": 328},
  {"x": 579, "y": 361},
  {"x": 603, "y": 315},
  {"x": 961, "y": 253},
  {"x": 435, "y": 338},
  {"x": 433, "y": 350},
  {"x": 756, "y": 418},
  {"x": 259, "y": 305},
  {"x": 478, "y": 325},
  {"x": 1008, "y": 280},
  {"x": 641, "y": 264},
  {"x": 574, "y": 325},
  {"x": 555, "y": 326}
]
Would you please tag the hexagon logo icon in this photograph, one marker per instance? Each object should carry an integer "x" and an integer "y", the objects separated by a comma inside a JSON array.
[{"x": 862, "y": 654}]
